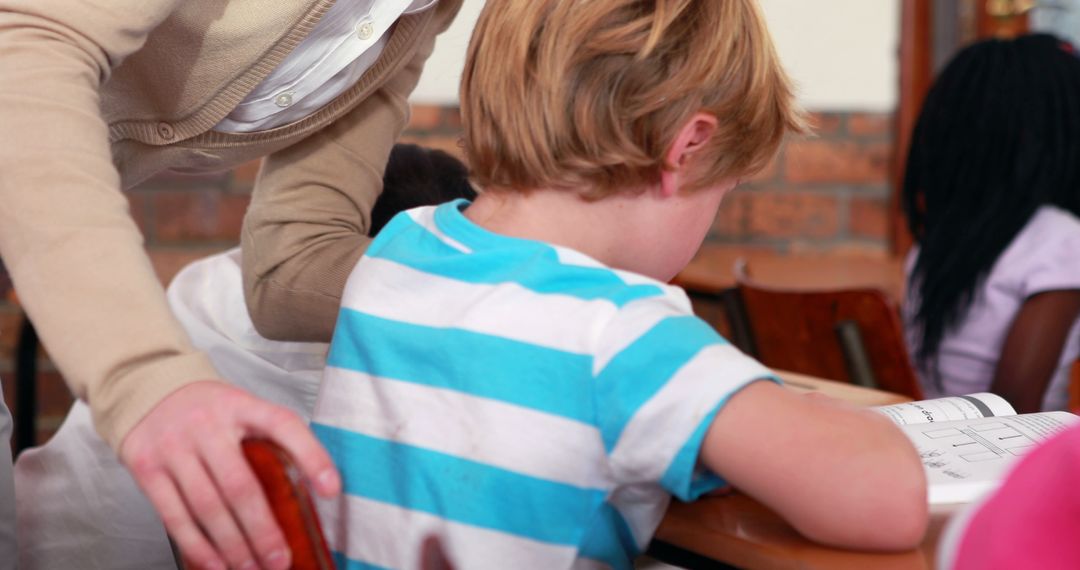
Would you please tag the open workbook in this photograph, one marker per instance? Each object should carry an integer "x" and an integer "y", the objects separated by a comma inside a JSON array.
[{"x": 968, "y": 443}]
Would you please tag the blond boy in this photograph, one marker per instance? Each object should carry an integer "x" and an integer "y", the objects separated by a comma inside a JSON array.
[{"x": 514, "y": 374}]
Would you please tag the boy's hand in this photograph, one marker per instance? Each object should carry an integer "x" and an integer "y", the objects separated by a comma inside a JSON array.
[{"x": 185, "y": 455}]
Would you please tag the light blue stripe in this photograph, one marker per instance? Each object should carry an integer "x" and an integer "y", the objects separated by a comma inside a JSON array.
[
  {"x": 496, "y": 259},
  {"x": 342, "y": 562},
  {"x": 638, "y": 372},
  {"x": 459, "y": 489},
  {"x": 488, "y": 366},
  {"x": 682, "y": 478},
  {"x": 609, "y": 540}
]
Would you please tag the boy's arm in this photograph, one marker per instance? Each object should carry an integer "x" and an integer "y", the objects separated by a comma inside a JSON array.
[{"x": 840, "y": 475}]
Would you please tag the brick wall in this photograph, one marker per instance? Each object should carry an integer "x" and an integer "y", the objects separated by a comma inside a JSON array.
[{"x": 824, "y": 193}]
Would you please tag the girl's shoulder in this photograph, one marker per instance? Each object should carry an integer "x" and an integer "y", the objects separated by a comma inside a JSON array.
[
  {"x": 1051, "y": 222},
  {"x": 1050, "y": 231},
  {"x": 1044, "y": 255}
]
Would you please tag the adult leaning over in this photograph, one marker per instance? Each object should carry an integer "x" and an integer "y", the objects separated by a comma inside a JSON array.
[{"x": 101, "y": 94}]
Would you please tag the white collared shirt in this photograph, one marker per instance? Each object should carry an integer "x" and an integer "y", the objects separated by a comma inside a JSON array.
[{"x": 342, "y": 46}]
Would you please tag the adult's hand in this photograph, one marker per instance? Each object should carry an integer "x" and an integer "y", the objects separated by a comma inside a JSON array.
[{"x": 186, "y": 456}]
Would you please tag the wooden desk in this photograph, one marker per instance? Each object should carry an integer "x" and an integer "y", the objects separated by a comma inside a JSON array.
[
  {"x": 851, "y": 393},
  {"x": 735, "y": 530},
  {"x": 711, "y": 270}
]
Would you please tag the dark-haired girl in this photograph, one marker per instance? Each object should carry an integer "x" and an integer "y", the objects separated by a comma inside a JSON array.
[{"x": 992, "y": 193}]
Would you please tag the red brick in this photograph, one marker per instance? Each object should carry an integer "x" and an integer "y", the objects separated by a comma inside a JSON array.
[
  {"x": 54, "y": 397},
  {"x": 425, "y": 117},
  {"x": 873, "y": 253},
  {"x": 836, "y": 162},
  {"x": 198, "y": 216},
  {"x": 869, "y": 218},
  {"x": 792, "y": 215},
  {"x": 447, "y": 143},
  {"x": 870, "y": 124},
  {"x": 11, "y": 319},
  {"x": 824, "y": 123},
  {"x": 168, "y": 262},
  {"x": 731, "y": 219},
  {"x": 243, "y": 176},
  {"x": 452, "y": 118},
  {"x": 139, "y": 204},
  {"x": 769, "y": 172}
]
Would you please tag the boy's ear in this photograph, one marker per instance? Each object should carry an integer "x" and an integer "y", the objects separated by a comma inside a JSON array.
[{"x": 691, "y": 138}]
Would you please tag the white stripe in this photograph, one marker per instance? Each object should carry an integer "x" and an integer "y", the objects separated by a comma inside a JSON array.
[
  {"x": 632, "y": 321},
  {"x": 587, "y": 564},
  {"x": 388, "y": 535},
  {"x": 507, "y": 310},
  {"x": 641, "y": 506},
  {"x": 662, "y": 425},
  {"x": 425, "y": 217},
  {"x": 480, "y": 429},
  {"x": 575, "y": 258}
]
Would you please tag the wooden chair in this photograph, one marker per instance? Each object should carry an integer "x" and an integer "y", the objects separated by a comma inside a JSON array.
[
  {"x": 851, "y": 335},
  {"x": 295, "y": 512},
  {"x": 290, "y": 503},
  {"x": 724, "y": 311}
]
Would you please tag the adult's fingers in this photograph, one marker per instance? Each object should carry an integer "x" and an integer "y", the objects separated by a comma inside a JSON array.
[
  {"x": 198, "y": 427},
  {"x": 241, "y": 490},
  {"x": 290, "y": 432},
  {"x": 187, "y": 535},
  {"x": 206, "y": 503}
]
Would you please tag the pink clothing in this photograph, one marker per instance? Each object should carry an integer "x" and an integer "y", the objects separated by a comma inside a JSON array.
[
  {"x": 1031, "y": 521},
  {"x": 1045, "y": 256}
]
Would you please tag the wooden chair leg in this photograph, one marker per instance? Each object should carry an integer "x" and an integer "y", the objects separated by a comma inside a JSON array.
[
  {"x": 856, "y": 360},
  {"x": 26, "y": 405},
  {"x": 741, "y": 334}
]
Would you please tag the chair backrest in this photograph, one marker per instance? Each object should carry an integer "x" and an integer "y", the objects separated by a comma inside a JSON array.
[
  {"x": 290, "y": 503},
  {"x": 850, "y": 335}
]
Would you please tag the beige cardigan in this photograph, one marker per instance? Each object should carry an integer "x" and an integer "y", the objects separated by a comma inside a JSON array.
[{"x": 97, "y": 95}]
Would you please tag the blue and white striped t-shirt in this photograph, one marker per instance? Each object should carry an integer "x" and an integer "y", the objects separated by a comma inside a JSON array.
[{"x": 529, "y": 405}]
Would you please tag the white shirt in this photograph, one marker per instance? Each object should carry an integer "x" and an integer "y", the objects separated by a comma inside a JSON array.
[{"x": 345, "y": 43}]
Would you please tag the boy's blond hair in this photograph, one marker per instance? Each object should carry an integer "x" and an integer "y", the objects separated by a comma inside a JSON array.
[{"x": 590, "y": 94}]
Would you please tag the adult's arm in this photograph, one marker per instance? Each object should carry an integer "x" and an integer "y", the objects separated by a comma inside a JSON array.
[
  {"x": 74, "y": 253},
  {"x": 310, "y": 212},
  {"x": 1032, "y": 348},
  {"x": 77, "y": 260}
]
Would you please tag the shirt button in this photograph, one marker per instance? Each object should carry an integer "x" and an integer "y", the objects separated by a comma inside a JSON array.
[
  {"x": 166, "y": 131},
  {"x": 365, "y": 29},
  {"x": 284, "y": 100}
]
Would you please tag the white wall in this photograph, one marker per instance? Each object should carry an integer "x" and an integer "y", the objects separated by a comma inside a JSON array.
[
  {"x": 442, "y": 72},
  {"x": 841, "y": 53}
]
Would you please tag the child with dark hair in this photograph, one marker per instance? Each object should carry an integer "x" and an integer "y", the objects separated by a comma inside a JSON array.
[
  {"x": 992, "y": 193},
  {"x": 419, "y": 176}
]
